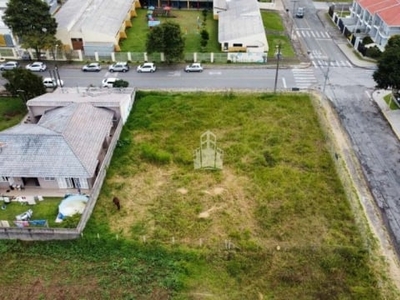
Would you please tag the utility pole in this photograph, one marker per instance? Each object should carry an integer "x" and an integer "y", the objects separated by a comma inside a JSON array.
[{"x": 278, "y": 58}]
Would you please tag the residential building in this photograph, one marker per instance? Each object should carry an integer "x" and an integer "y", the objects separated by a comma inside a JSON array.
[
  {"x": 240, "y": 26},
  {"x": 380, "y": 19},
  {"x": 63, "y": 143},
  {"x": 94, "y": 25}
]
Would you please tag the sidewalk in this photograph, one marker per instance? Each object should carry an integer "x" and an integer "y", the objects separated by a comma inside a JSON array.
[
  {"x": 353, "y": 58},
  {"x": 392, "y": 116}
]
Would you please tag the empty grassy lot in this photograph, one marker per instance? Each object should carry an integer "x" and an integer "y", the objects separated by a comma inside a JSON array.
[{"x": 273, "y": 224}]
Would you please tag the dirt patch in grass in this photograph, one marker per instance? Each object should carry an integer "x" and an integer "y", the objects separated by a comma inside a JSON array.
[{"x": 217, "y": 201}]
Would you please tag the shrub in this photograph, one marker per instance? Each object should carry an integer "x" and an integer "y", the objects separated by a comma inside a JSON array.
[
  {"x": 120, "y": 84},
  {"x": 373, "y": 52},
  {"x": 367, "y": 40}
]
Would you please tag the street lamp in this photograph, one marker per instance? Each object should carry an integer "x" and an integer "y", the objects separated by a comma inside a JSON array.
[{"x": 278, "y": 58}]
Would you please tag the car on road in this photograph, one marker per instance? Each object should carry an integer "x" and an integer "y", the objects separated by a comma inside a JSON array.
[
  {"x": 108, "y": 82},
  {"x": 92, "y": 67},
  {"x": 119, "y": 67},
  {"x": 37, "y": 67},
  {"x": 49, "y": 82},
  {"x": 300, "y": 12},
  {"x": 10, "y": 65},
  {"x": 146, "y": 68},
  {"x": 194, "y": 67}
]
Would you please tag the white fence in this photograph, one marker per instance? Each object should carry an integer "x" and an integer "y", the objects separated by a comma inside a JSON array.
[{"x": 137, "y": 57}]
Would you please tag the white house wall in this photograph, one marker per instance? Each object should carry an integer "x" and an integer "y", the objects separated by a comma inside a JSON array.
[
  {"x": 93, "y": 20},
  {"x": 256, "y": 40}
]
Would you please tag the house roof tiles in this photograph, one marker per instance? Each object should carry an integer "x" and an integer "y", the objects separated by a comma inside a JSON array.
[
  {"x": 388, "y": 10},
  {"x": 65, "y": 143}
]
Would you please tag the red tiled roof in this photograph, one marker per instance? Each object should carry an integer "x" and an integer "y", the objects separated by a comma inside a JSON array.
[
  {"x": 374, "y": 6},
  {"x": 391, "y": 16},
  {"x": 388, "y": 10}
]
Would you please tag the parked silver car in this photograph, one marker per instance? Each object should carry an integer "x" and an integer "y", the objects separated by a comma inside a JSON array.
[
  {"x": 10, "y": 65},
  {"x": 92, "y": 67},
  {"x": 119, "y": 67},
  {"x": 194, "y": 67},
  {"x": 146, "y": 68}
]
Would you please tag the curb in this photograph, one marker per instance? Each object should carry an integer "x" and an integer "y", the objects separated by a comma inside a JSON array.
[{"x": 391, "y": 116}]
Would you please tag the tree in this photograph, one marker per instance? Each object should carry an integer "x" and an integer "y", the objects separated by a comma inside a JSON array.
[
  {"x": 166, "y": 38},
  {"x": 121, "y": 83},
  {"x": 22, "y": 81},
  {"x": 32, "y": 23},
  {"x": 205, "y": 36},
  {"x": 388, "y": 73}
]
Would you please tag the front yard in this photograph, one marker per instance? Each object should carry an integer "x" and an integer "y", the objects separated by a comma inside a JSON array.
[{"x": 187, "y": 19}]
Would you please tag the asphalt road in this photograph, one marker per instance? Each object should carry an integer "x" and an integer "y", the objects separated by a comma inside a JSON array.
[{"x": 213, "y": 77}]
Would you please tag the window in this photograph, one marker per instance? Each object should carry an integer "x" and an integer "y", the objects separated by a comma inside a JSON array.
[
  {"x": 49, "y": 179},
  {"x": 237, "y": 45},
  {"x": 3, "y": 179}
]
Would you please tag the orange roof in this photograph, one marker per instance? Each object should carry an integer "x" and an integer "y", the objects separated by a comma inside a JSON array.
[
  {"x": 388, "y": 10},
  {"x": 391, "y": 16}
]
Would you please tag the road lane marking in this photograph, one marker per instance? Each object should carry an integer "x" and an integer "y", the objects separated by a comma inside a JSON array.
[{"x": 284, "y": 82}]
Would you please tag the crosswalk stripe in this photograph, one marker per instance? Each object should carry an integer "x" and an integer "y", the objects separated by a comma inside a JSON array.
[
  {"x": 304, "y": 78},
  {"x": 321, "y": 61},
  {"x": 315, "y": 34}
]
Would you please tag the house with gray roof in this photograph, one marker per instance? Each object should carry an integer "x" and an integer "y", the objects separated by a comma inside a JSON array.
[
  {"x": 63, "y": 150},
  {"x": 94, "y": 25},
  {"x": 240, "y": 26},
  {"x": 120, "y": 101},
  {"x": 63, "y": 142}
]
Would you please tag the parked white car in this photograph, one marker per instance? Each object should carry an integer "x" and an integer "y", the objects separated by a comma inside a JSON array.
[
  {"x": 109, "y": 82},
  {"x": 194, "y": 67},
  {"x": 10, "y": 65},
  {"x": 146, "y": 68},
  {"x": 37, "y": 67},
  {"x": 49, "y": 82}
]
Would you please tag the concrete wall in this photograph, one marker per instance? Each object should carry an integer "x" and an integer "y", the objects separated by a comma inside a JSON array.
[{"x": 99, "y": 180}]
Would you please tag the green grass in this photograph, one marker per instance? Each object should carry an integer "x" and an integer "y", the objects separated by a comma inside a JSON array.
[
  {"x": 137, "y": 34},
  {"x": 12, "y": 111},
  {"x": 276, "y": 35},
  {"x": 43, "y": 210},
  {"x": 390, "y": 102},
  {"x": 272, "y": 21},
  {"x": 277, "y": 200}
]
